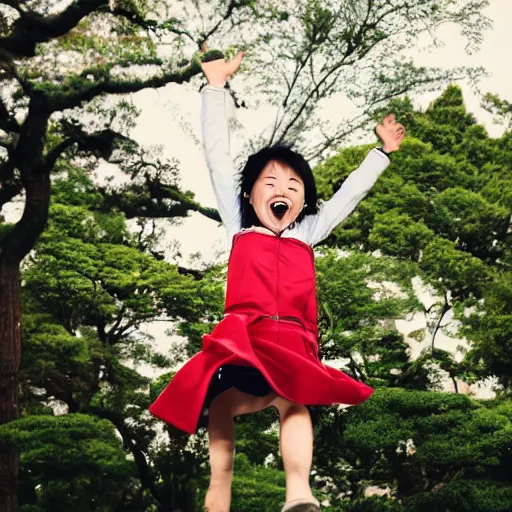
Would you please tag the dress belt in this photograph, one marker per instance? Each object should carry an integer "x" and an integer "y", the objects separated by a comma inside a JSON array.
[{"x": 285, "y": 318}]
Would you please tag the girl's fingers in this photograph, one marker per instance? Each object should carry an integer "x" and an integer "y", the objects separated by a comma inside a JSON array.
[
  {"x": 390, "y": 119},
  {"x": 400, "y": 130}
]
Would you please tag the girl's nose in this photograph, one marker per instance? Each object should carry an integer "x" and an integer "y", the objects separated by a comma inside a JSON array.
[{"x": 280, "y": 189}]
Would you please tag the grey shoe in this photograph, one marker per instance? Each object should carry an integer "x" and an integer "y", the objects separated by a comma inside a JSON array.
[
  {"x": 304, "y": 507},
  {"x": 301, "y": 507}
]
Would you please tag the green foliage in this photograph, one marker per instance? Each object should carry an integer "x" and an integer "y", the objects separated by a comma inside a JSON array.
[
  {"x": 353, "y": 299},
  {"x": 159, "y": 384},
  {"x": 90, "y": 258},
  {"x": 57, "y": 361},
  {"x": 417, "y": 443},
  {"x": 257, "y": 436},
  {"x": 444, "y": 204},
  {"x": 88, "y": 287},
  {"x": 211, "y": 290},
  {"x": 501, "y": 109},
  {"x": 399, "y": 235},
  {"x": 477, "y": 495},
  {"x": 69, "y": 462},
  {"x": 256, "y": 488},
  {"x": 372, "y": 504},
  {"x": 452, "y": 269},
  {"x": 467, "y": 218},
  {"x": 438, "y": 187}
]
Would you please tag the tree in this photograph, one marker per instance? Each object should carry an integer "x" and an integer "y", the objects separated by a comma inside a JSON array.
[
  {"x": 71, "y": 461},
  {"x": 315, "y": 50},
  {"x": 88, "y": 288},
  {"x": 443, "y": 205},
  {"x": 437, "y": 450},
  {"x": 355, "y": 309}
]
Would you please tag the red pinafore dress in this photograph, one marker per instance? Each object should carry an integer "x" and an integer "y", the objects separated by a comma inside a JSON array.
[{"x": 270, "y": 325}]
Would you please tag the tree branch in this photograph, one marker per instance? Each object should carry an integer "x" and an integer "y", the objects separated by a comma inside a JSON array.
[
  {"x": 145, "y": 474},
  {"x": 18, "y": 242},
  {"x": 100, "y": 144},
  {"x": 196, "y": 274},
  {"x": 31, "y": 28},
  {"x": 8, "y": 191},
  {"x": 155, "y": 201},
  {"x": 445, "y": 309},
  {"x": 132, "y": 17},
  {"x": 63, "y": 97},
  {"x": 56, "y": 153},
  {"x": 233, "y": 4}
]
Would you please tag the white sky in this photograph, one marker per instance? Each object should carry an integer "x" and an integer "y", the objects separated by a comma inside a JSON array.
[{"x": 162, "y": 109}]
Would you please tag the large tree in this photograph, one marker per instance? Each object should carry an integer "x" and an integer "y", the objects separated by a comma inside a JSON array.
[
  {"x": 444, "y": 207},
  {"x": 440, "y": 212},
  {"x": 88, "y": 289}
]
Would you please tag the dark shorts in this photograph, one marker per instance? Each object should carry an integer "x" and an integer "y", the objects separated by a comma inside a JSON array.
[{"x": 245, "y": 378}]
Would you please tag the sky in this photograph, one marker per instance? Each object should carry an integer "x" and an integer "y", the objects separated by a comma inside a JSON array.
[{"x": 162, "y": 110}]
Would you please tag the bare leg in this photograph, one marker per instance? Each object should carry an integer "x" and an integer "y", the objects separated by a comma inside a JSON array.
[
  {"x": 221, "y": 432},
  {"x": 296, "y": 440}
]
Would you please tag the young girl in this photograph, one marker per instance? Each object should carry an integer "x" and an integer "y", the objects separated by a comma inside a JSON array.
[{"x": 265, "y": 351}]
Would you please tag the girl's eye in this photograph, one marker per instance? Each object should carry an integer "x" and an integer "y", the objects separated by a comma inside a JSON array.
[
  {"x": 270, "y": 184},
  {"x": 294, "y": 189}
]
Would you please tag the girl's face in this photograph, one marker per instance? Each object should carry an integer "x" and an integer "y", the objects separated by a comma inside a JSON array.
[{"x": 277, "y": 196}]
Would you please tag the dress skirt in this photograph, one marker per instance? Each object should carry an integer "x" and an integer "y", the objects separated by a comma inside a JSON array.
[{"x": 257, "y": 357}]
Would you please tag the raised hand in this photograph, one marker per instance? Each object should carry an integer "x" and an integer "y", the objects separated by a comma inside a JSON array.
[
  {"x": 390, "y": 133},
  {"x": 219, "y": 71}
]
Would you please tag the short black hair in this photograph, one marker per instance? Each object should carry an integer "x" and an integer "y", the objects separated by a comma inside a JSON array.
[{"x": 257, "y": 162}]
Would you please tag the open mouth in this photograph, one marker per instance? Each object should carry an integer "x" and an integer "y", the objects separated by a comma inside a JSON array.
[{"x": 279, "y": 208}]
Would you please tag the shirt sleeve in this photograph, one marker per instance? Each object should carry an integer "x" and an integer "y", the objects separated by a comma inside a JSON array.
[
  {"x": 215, "y": 113},
  {"x": 316, "y": 228}
]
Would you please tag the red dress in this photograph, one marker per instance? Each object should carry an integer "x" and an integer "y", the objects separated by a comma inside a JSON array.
[{"x": 268, "y": 276}]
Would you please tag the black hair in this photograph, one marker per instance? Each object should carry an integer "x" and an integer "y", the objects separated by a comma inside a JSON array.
[{"x": 257, "y": 162}]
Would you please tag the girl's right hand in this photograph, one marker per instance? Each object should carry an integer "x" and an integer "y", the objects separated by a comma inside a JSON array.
[{"x": 219, "y": 71}]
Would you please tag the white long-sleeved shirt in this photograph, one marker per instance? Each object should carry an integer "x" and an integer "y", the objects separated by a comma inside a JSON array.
[{"x": 217, "y": 106}]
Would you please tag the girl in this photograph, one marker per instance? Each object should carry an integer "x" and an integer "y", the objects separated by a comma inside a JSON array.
[{"x": 265, "y": 351}]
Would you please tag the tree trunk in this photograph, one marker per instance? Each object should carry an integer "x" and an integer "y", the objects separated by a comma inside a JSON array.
[{"x": 10, "y": 354}]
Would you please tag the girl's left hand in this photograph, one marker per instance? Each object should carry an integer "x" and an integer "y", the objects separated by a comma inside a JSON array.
[{"x": 391, "y": 133}]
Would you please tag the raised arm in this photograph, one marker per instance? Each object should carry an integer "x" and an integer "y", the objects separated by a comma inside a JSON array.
[
  {"x": 317, "y": 227},
  {"x": 217, "y": 105},
  {"x": 215, "y": 126}
]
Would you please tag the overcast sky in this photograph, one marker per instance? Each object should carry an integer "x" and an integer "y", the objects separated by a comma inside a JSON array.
[{"x": 160, "y": 108}]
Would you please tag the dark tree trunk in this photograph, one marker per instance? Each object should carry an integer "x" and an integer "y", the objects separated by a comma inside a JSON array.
[
  {"x": 14, "y": 246},
  {"x": 10, "y": 351}
]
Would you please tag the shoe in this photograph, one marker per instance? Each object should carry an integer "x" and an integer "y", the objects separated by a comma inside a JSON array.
[{"x": 301, "y": 506}]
